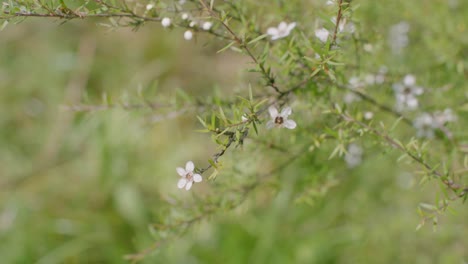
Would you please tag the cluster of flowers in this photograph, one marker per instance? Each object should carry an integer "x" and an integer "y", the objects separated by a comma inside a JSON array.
[
  {"x": 166, "y": 22},
  {"x": 406, "y": 93},
  {"x": 427, "y": 123},
  {"x": 278, "y": 120}
]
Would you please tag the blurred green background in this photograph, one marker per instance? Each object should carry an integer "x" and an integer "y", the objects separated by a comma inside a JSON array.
[{"x": 81, "y": 184}]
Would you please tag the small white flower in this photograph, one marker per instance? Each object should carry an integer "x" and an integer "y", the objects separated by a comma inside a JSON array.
[
  {"x": 244, "y": 118},
  {"x": 149, "y": 7},
  {"x": 185, "y": 16},
  {"x": 424, "y": 125},
  {"x": 442, "y": 118},
  {"x": 355, "y": 82},
  {"x": 207, "y": 26},
  {"x": 181, "y": 2},
  {"x": 192, "y": 24},
  {"x": 406, "y": 93},
  {"x": 353, "y": 155},
  {"x": 350, "y": 98},
  {"x": 283, "y": 30},
  {"x": 280, "y": 119},
  {"x": 188, "y": 177},
  {"x": 166, "y": 22},
  {"x": 368, "y": 115},
  {"x": 330, "y": 2},
  {"x": 322, "y": 34},
  {"x": 188, "y": 35}
]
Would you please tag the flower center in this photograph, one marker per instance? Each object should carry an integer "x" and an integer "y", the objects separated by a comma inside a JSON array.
[
  {"x": 189, "y": 176},
  {"x": 279, "y": 120},
  {"x": 407, "y": 90}
]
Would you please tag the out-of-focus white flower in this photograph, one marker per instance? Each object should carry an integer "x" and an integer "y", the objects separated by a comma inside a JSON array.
[
  {"x": 350, "y": 98},
  {"x": 353, "y": 155},
  {"x": 355, "y": 83},
  {"x": 424, "y": 125},
  {"x": 330, "y": 2},
  {"x": 283, "y": 30},
  {"x": 188, "y": 176},
  {"x": 166, "y": 22},
  {"x": 280, "y": 119},
  {"x": 406, "y": 93},
  {"x": 149, "y": 6},
  {"x": 181, "y": 2},
  {"x": 322, "y": 34},
  {"x": 442, "y": 118},
  {"x": 368, "y": 115},
  {"x": 244, "y": 118},
  {"x": 188, "y": 35},
  {"x": 192, "y": 24},
  {"x": 207, "y": 25},
  {"x": 185, "y": 16},
  {"x": 398, "y": 37}
]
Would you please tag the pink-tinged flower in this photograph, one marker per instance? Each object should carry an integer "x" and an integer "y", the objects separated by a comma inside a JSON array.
[
  {"x": 280, "y": 119},
  {"x": 188, "y": 177},
  {"x": 281, "y": 31}
]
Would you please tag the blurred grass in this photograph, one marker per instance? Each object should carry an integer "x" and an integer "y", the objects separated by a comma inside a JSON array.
[{"x": 83, "y": 187}]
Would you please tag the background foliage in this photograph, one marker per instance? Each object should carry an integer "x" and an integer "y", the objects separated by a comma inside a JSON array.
[{"x": 95, "y": 117}]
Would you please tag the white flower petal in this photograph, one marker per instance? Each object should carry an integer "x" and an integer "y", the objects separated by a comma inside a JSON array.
[
  {"x": 181, "y": 183},
  {"x": 181, "y": 171},
  {"x": 273, "y": 111},
  {"x": 409, "y": 80},
  {"x": 188, "y": 35},
  {"x": 291, "y": 26},
  {"x": 286, "y": 112},
  {"x": 282, "y": 26},
  {"x": 189, "y": 185},
  {"x": 289, "y": 124},
  {"x": 197, "y": 178},
  {"x": 272, "y": 31},
  {"x": 275, "y": 37},
  {"x": 189, "y": 167},
  {"x": 270, "y": 124}
]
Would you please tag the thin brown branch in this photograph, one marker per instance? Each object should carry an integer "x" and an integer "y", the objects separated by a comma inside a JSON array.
[{"x": 337, "y": 20}]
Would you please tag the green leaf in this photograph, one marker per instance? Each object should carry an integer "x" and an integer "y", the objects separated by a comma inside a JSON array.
[
  {"x": 257, "y": 39},
  {"x": 255, "y": 127},
  {"x": 226, "y": 47},
  {"x": 201, "y": 121}
]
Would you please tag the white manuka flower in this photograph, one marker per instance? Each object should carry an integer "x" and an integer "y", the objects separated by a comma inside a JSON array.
[
  {"x": 322, "y": 34},
  {"x": 166, "y": 22},
  {"x": 188, "y": 177},
  {"x": 425, "y": 125},
  {"x": 406, "y": 93},
  {"x": 281, "y": 31},
  {"x": 442, "y": 118},
  {"x": 188, "y": 35},
  {"x": 280, "y": 119},
  {"x": 353, "y": 155},
  {"x": 207, "y": 26}
]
